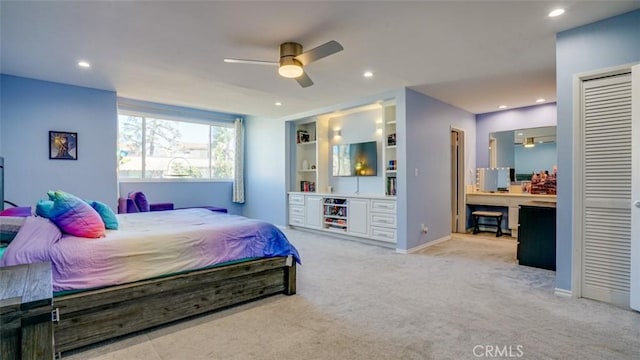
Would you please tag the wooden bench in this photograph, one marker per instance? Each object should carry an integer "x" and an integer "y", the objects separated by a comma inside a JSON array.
[{"x": 490, "y": 214}]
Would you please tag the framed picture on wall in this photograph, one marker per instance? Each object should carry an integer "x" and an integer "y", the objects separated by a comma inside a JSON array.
[{"x": 63, "y": 145}]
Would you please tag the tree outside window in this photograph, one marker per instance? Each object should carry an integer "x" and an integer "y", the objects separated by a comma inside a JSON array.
[{"x": 154, "y": 148}]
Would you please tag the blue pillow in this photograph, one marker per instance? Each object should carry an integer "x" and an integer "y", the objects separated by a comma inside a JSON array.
[
  {"x": 44, "y": 208},
  {"x": 108, "y": 216}
]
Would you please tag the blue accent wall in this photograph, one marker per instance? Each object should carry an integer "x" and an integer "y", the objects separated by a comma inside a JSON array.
[
  {"x": 520, "y": 118},
  {"x": 427, "y": 135},
  {"x": 504, "y": 149},
  {"x": 603, "y": 44},
  {"x": 540, "y": 157},
  {"x": 29, "y": 109},
  {"x": 265, "y": 174}
]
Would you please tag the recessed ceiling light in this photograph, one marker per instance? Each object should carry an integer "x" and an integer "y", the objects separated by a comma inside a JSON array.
[
  {"x": 540, "y": 100},
  {"x": 502, "y": 107},
  {"x": 84, "y": 64},
  {"x": 278, "y": 103},
  {"x": 556, "y": 12},
  {"x": 367, "y": 74}
]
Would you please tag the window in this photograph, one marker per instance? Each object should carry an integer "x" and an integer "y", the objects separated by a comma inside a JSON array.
[{"x": 156, "y": 148}]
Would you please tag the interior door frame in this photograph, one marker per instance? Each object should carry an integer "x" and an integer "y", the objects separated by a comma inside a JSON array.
[
  {"x": 493, "y": 153},
  {"x": 578, "y": 169},
  {"x": 461, "y": 181}
]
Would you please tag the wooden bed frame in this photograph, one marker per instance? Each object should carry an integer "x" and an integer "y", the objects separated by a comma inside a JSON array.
[{"x": 92, "y": 316}]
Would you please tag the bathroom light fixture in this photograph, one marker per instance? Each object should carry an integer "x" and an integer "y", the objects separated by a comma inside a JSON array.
[
  {"x": 84, "y": 64},
  {"x": 337, "y": 133},
  {"x": 367, "y": 74},
  {"x": 529, "y": 142},
  {"x": 278, "y": 103},
  {"x": 556, "y": 12}
]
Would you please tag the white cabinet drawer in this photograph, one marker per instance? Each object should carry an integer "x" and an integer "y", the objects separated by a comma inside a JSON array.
[
  {"x": 296, "y": 210},
  {"x": 384, "y": 220},
  {"x": 296, "y": 221},
  {"x": 295, "y": 199},
  {"x": 383, "y": 234},
  {"x": 387, "y": 206}
]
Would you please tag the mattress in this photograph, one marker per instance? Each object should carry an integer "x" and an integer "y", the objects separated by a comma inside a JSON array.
[
  {"x": 9, "y": 226},
  {"x": 153, "y": 244}
]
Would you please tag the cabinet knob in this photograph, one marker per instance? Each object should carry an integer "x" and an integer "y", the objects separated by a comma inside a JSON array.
[{"x": 636, "y": 203}]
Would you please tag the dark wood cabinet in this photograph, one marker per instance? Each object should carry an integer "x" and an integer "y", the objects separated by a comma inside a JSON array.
[{"x": 537, "y": 236}]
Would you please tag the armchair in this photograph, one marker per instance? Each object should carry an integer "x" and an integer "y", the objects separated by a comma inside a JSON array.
[{"x": 137, "y": 202}]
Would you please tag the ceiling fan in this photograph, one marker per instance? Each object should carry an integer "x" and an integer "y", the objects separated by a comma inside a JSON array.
[{"x": 292, "y": 60}]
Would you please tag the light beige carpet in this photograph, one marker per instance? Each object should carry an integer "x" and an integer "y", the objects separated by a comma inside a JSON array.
[{"x": 453, "y": 300}]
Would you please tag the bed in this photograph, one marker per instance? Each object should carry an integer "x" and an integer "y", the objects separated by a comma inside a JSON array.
[{"x": 159, "y": 267}]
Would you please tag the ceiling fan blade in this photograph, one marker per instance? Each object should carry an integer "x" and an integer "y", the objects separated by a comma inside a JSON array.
[
  {"x": 319, "y": 52},
  {"x": 256, "y": 62},
  {"x": 304, "y": 80}
]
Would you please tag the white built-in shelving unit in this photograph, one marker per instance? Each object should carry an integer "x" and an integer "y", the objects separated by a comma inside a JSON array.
[{"x": 320, "y": 201}]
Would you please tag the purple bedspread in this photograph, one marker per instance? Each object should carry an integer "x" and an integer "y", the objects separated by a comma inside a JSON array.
[{"x": 149, "y": 245}]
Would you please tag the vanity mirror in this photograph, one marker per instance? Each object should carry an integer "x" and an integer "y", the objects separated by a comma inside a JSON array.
[
  {"x": 492, "y": 179},
  {"x": 527, "y": 151}
]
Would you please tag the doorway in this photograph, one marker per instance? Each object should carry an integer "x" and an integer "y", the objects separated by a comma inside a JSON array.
[{"x": 458, "y": 210}]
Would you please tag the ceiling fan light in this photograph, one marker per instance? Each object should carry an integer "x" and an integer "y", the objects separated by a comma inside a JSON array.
[
  {"x": 290, "y": 71},
  {"x": 290, "y": 67}
]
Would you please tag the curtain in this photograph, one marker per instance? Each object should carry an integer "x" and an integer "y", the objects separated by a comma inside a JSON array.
[{"x": 238, "y": 177}]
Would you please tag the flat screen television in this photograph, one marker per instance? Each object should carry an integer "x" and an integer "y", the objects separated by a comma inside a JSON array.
[{"x": 358, "y": 159}]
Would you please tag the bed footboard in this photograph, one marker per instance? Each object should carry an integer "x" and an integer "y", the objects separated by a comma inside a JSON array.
[{"x": 97, "y": 315}]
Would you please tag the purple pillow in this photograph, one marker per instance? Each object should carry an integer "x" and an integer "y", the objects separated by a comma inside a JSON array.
[
  {"x": 74, "y": 216},
  {"x": 140, "y": 200},
  {"x": 17, "y": 211}
]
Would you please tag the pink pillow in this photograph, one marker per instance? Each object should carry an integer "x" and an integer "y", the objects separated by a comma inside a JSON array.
[{"x": 74, "y": 216}]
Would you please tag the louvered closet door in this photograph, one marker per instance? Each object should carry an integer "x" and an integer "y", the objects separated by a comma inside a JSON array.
[
  {"x": 635, "y": 190},
  {"x": 606, "y": 212}
]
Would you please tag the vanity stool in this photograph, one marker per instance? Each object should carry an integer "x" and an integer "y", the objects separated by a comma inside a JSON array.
[{"x": 491, "y": 214}]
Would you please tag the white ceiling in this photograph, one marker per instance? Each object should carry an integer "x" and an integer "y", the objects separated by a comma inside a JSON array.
[{"x": 472, "y": 54}]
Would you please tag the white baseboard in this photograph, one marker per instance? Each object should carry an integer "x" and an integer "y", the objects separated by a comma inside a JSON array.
[
  {"x": 563, "y": 292},
  {"x": 424, "y": 246}
]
